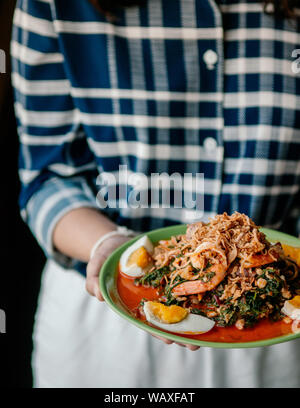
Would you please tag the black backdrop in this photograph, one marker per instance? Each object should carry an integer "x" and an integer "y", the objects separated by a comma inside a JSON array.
[{"x": 22, "y": 259}]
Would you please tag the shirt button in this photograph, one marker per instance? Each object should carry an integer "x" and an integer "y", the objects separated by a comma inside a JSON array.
[
  {"x": 210, "y": 144},
  {"x": 210, "y": 58}
]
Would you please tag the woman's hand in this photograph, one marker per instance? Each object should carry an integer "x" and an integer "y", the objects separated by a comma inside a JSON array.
[
  {"x": 166, "y": 341},
  {"x": 95, "y": 225},
  {"x": 94, "y": 268},
  {"x": 95, "y": 264}
]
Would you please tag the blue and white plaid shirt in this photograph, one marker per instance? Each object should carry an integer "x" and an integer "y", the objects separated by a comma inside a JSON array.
[{"x": 177, "y": 86}]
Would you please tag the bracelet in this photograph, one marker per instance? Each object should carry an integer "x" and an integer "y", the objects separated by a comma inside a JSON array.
[{"x": 119, "y": 231}]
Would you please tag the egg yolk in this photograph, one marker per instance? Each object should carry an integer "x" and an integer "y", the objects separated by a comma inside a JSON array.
[
  {"x": 168, "y": 314},
  {"x": 293, "y": 252},
  {"x": 139, "y": 257},
  {"x": 295, "y": 301}
]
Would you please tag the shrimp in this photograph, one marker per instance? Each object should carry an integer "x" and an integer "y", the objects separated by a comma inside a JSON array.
[
  {"x": 197, "y": 260},
  {"x": 205, "y": 250},
  {"x": 187, "y": 273},
  {"x": 198, "y": 286},
  {"x": 259, "y": 260}
]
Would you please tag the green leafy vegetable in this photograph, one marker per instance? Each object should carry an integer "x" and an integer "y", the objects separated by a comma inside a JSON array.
[{"x": 153, "y": 278}]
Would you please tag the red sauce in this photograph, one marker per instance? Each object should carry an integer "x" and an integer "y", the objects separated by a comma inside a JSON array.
[{"x": 131, "y": 296}]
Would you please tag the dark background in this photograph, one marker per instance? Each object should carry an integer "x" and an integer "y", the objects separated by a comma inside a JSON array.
[{"x": 23, "y": 260}]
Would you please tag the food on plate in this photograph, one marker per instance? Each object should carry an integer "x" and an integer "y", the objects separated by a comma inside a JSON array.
[
  {"x": 137, "y": 259},
  {"x": 176, "y": 319},
  {"x": 225, "y": 271},
  {"x": 293, "y": 253},
  {"x": 291, "y": 308}
]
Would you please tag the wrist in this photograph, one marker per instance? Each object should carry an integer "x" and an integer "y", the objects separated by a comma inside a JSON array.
[
  {"x": 112, "y": 238},
  {"x": 103, "y": 251}
]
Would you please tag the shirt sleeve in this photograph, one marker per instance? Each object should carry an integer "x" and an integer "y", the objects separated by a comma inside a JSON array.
[{"x": 56, "y": 166}]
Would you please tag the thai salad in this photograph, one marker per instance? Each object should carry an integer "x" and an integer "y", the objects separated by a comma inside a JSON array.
[{"x": 224, "y": 270}]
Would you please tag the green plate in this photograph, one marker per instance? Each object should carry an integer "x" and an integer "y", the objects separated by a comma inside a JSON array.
[{"x": 109, "y": 290}]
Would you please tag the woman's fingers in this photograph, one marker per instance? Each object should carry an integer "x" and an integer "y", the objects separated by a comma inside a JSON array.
[
  {"x": 92, "y": 276},
  {"x": 179, "y": 344},
  {"x": 189, "y": 346},
  {"x": 166, "y": 341},
  {"x": 92, "y": 286},
  {"x": 96, "y": 262},
  {"x": 192, "y": 348}
]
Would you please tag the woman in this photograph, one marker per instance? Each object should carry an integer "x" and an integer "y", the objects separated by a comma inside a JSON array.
[{"x": 187, "y": 86}]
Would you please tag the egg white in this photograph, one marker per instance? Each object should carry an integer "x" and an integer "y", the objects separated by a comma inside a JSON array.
[
  {"x": 134, "y": 270},
  {"x": 291, "y": 311},
  {"x": 192, "y": 324}
]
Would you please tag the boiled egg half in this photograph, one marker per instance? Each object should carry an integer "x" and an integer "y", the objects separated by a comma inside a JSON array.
[
  {"x": 136, "y": 260},
  {"x": 291, "y": 308},
  {"x": 176, "y": 319}
]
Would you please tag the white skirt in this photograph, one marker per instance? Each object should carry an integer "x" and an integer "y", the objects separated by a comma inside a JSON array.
[{"x": 80, "y": 342}]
